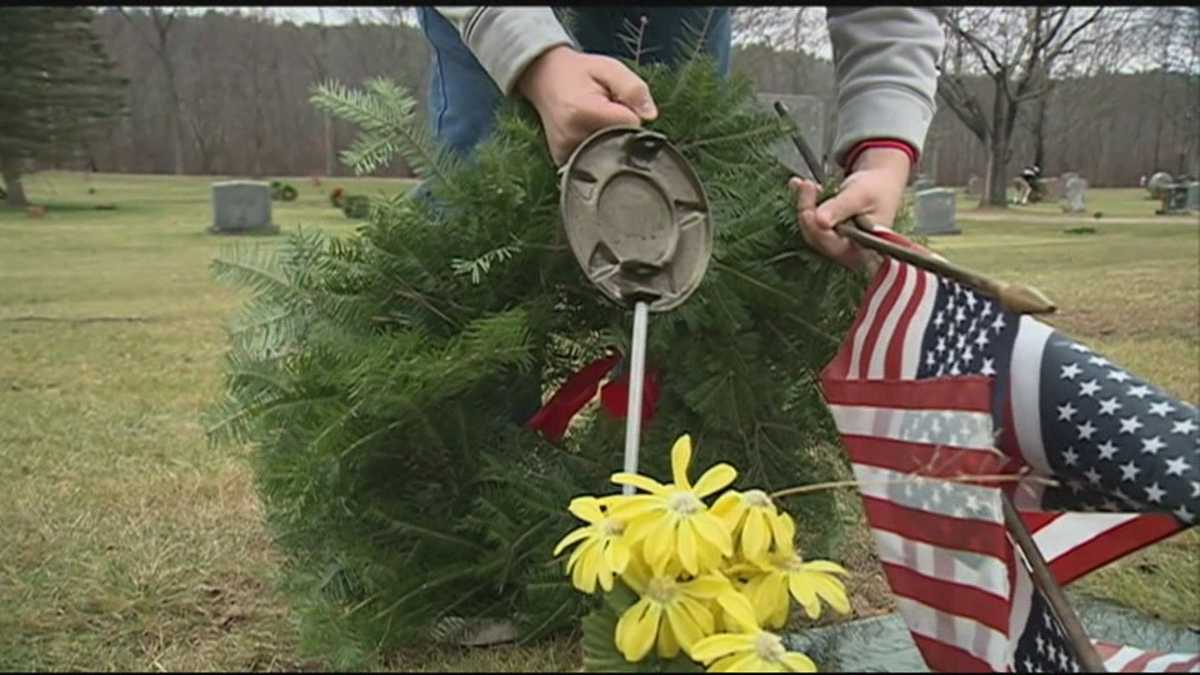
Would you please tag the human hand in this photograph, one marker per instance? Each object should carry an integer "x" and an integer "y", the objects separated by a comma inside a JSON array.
[
  {"x": 577, "y": 94},
  {"x": 874, "y": 189}
]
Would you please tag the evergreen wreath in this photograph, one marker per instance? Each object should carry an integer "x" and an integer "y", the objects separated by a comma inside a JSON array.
[{"x": 373, "y": 372}]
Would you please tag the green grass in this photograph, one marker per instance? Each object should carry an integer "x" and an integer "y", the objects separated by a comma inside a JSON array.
[{"x": 129, "y": 543}]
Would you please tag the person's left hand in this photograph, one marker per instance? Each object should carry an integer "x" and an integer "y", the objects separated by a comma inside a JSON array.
[{"x": 874, "y": 189}]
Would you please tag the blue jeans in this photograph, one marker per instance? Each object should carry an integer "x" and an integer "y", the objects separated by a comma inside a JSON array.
[{"x": 462, "y": 98}]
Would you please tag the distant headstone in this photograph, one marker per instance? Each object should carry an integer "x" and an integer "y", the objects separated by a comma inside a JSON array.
[
  {"x": 241, "y": 206},
  {"x": 974, "y": 185},
  {"x": 935, "y": 210},
  {"x": 1073, "y": 195},
  {"x": 1068, "y": 175},
  {"x": 1158, "y": 183},
  {"x": 923, "y": 182},
  {"x": 1175, "y": 200},
  {"x": 1193, "y": 196},
  {"x": 808, "y": 113}
]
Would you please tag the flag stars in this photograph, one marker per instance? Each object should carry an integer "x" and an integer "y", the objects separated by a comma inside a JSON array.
[
  {"x": 981, "y": 340},
  {"x": 1183, "y": 514},
  {"x": 1069, "y": 371},
  {"x": 1151, "y": 446},
  {"x": 1085, "y": 430},
  {"x": 1109, "y": 406},
  {"x": 939, "y": 319},
  {"x": 929, "y": 359},
  {"x": 1092, "y": 475},
  {"x": 1155, "y": 493},
  {"x": 1184, "y": 427},
  {"x": 1079, "y": 348},
  {"x": 989, "y": 368},
  {"x": 1130, "y": 425},
  {"x": 941, "y": 345},
  {"x": 1107, "y": 450},
  {"x": 1070, "y": 457},
  {"x": 1089, "y": 388},
  {"x": 998, "y": 323},
  {"x": 1140, "y": 391},
  {"x": 960, "y": 315},
  {"x": 1195, "y": 488},
  {"x": 1099, "y": 361},
  {"x": 1066, "y": 412},
  {"x": 1118, "y": 375},
  {"x": 1130, "y": 471},
  {"x": 1162, "y": 408},
  {"x": 1176, "y": 467}
]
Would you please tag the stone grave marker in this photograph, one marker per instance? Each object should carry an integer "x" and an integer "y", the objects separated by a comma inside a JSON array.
[
  {"x": 1193, "y": 196},
  {"x": 923, "y": 182},
  {"x": 1175, "y": 200},
  {"x": 241, "y": 206},
  {"x": 1158, "y": 184},
  {"x": 935, "y": 210},
  {"x": 1073, "y": 195},
  {"x": 974, "y": 185},
  {"x": 808, "y": 113}
]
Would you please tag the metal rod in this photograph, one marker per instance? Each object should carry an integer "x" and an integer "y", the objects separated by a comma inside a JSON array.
[
  {"x": 1017, "y": 298},
  {"x": 1044, "y": 580},
  {"x": 637, "y": 376}
]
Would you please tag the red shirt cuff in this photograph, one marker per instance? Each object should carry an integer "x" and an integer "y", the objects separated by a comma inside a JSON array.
[{"x": 863, "y": 146}]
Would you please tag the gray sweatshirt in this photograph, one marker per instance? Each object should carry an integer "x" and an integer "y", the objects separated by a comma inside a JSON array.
[{"x": 885, "y": 60}]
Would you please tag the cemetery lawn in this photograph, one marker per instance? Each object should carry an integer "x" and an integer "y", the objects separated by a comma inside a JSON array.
[{"x": 129, "y": 543}]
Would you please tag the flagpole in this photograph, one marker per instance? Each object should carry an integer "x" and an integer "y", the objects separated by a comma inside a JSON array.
[
  {"x": 637, "y": 375},
  {"x": 1043, "y": 579},
  {"x": 1016, "y": 298}
]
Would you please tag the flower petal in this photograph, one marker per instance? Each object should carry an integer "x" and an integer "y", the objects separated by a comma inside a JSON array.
[
  {"x": 784, "y": 537},
  {"x": 799, "y": 663},
  {"x": 714, "y": 479},
  {"x": 805, "y": 593},
  {"x": 747, "y": 662},
  {"x": 660, "y": 544},
  {"x": 668, "y": 644},
  {"x": 738, "y": 608},
  {"x": 722, "y": 644},
  {"x": 681, "y": 457},
  {"x": 684, "y": 627},
  {"x": 706, "y": 587},
  {"x": 824, "y": 566},
  {"x": 831, "y": 590},
  {"x": 639, "y": 481},
  {"x": 729, "y": 507},
  {"x": 618, "y": 555},
  {"x": 686, "y": 539},
  {"x": 586, "y": 509},
  {"x": 755, "y": 535},
  {"x": 700, "y": 614},
  {"x": 571, "y": 538},
  {"x": 638, "y": 529},
  {"x": 710, "y": 528},
  {"x": 636, "y": 629},
  {"x": 636, "y": 506}
]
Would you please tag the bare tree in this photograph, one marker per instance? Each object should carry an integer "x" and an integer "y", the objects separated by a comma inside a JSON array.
[
  {"x": 783, "y": 28},
  {"x": 161, "y": 23},
  {"x": 1014, "y": 47}
]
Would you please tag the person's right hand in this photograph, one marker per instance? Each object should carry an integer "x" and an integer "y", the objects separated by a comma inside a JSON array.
[{"x": 577, "y": 94}]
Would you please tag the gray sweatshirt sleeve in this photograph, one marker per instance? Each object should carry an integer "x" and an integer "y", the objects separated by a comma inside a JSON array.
[
  {"x": 506, "y": 39},
  {"x": 885, "y": 60}
]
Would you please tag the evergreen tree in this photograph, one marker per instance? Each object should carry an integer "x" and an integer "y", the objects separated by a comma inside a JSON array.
[
  {"x": 58, "y": 86},
  {"x": 372, "y": 372}
]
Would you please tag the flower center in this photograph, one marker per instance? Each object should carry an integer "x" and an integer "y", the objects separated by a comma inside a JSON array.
[
  {"x": 757, "y": 498},
  {"x": 661, "y": 590},
  {"x": 769, "y": 647},
  {"x": 684, "y": 503},
  {"x": 791, "y": 562},
  {"x": 612, "y": 527}
]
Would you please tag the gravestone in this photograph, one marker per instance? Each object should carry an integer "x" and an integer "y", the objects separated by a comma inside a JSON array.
[
  {"x": 935, "y": 209},
  {"x": 974, "y": 185},
  {"x": 1073, "y": 195},
  {"x": 808, "y": 114},
  {"x": 922, "y": 183},
  {"x": 1158, "y": 183},
  {"x": 241, "y": 206},
  {"x": 1193, "y": 196},
  {"x": 1175, "y": 200}
]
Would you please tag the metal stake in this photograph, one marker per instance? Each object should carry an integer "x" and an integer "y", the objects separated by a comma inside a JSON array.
[{"x": 637, "y": 374}]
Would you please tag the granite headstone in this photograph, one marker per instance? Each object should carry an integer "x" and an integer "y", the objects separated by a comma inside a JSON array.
[
  {"x": 241, "y": 206},
  {"x": 1073, "y": 195},
  {"x": 935, "y": 211},
  {"x": 1158, "y": 184}
]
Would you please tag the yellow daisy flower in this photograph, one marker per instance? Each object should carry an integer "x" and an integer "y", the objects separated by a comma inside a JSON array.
[
  {"x": 808, "y": 582},
  {"x": 747, "y": 648},
  {"x": 670, "y": 610},
  {"x": 603, "y": 552},
  {"x": 674, "y": 523},
  {"x": 754, "y": 521}
]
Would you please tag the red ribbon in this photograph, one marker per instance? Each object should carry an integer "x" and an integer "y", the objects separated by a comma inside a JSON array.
[{"x": 555, "y": 416}]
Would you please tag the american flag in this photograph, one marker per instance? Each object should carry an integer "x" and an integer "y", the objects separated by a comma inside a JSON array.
[{"x": 933, "y": 382}]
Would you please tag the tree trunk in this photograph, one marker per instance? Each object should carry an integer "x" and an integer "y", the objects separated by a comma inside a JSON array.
[
  {"x": 1039, "y": 133},
  {"x": 996, "y": 194},
  {"x": 178, "y": 133},
  {"x": 11, "y": 170},
  {"x": 330, "y": 151}
]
